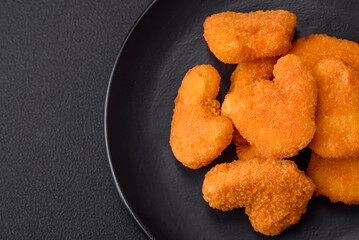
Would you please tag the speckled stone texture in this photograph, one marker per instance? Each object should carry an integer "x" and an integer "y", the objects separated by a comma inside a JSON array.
[{"x": 56, "y": 58}]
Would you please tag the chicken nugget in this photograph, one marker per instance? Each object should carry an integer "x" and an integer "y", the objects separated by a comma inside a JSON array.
[
  {"x": 198, "y": 132},
  {"x": 315, "y": 47},
  {"x": 245, "y": 74},
  {"x": 278, "y": 116},
  {"x": 337, "y": 120},
  {"x": 274, "y": 193},
  {"x": 240, "y": 37},
  {"x": 336, "y": 178}
]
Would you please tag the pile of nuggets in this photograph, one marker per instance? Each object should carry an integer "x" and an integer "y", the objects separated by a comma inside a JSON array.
[{"x": 283, "y": 97}]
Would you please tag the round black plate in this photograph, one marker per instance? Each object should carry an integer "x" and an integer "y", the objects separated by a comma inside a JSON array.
[{"x": 162, "y": 195}]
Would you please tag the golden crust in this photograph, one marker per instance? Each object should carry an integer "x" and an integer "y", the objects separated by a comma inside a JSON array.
[
  {"x": 244, "y": 150},
  {"x": 245, "y": 74},
  {"x": 198, "y": 133},
  {"x": 336, "y": 178},
  {"x": 275, "y": 193},
  {"x": 315, "y": 47},
  {"x": 241, "y": 37},
  {"x": 278, "y": 116},
  {"x": 337, "y": 120}
]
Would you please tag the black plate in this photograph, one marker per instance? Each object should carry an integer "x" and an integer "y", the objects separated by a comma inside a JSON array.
[{"x": 163, "y": 196}]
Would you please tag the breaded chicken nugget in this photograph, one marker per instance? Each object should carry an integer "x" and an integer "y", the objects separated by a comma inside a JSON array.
[
  {"x": 336, "y": 178},
  {"x": 198, "y": 133},
  {"x": 244, "y": 149},
  {"x": 278, "y": 116},
  {"x": 337, "y": 119},
  {"x": 274, "y": 193},
  {"x": 240, "y": 37},
  {"x": 245, "y": 74},
  {"x": 319, "y": 46}
]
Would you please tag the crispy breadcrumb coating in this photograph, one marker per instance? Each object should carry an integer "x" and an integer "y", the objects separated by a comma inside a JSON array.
[
  {"x": 315, "y": 47},
  {"x": 337, "y": 119},
  {"x": 244, "y": 149},
  {"x": 249, "y": 72},
  {"x": 241, "y": 37},
  {"x": 198, "y": 132},
  {"x": 275, "y": 193},
  {"x": 336, "y": 178},
  {"x": 245, "y": 74},
  {"x": 278, "y": 116}
]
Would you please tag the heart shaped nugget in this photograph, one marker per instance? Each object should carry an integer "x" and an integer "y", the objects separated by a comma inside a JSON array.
[
  {"x": 275, "y": 193},
  {"x": 241, "y": 37},
  {"x": 278, "y": 116},
  {"x": 337, "y": 119},
  {"x": 198, "y": 132},
  {"x": 245, "y": 74},
  {"x": 336, "y": 178}
]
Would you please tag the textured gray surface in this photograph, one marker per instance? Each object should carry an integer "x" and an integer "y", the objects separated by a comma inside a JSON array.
[{"x": 55, "y": 61}]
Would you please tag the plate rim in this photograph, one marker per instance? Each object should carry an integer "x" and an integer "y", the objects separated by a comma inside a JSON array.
[{"x": 114, "y": 176}]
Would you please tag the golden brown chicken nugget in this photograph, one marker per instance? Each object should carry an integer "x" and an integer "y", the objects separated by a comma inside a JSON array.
[
  {"x": 240, "y": 37},
  {"x": 336, "y": 178},
  {"x": 337, "y": 120},
  {"x": 278, "y": 116},
  {"x": 275, "y": 193},
  {"x": 198, "y": 132},
  {"x": 315, "y": 47},
  {"x": 245, "y": 74}
]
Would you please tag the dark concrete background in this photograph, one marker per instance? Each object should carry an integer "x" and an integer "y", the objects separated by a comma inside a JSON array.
[{"x": 56, "y": 58}]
